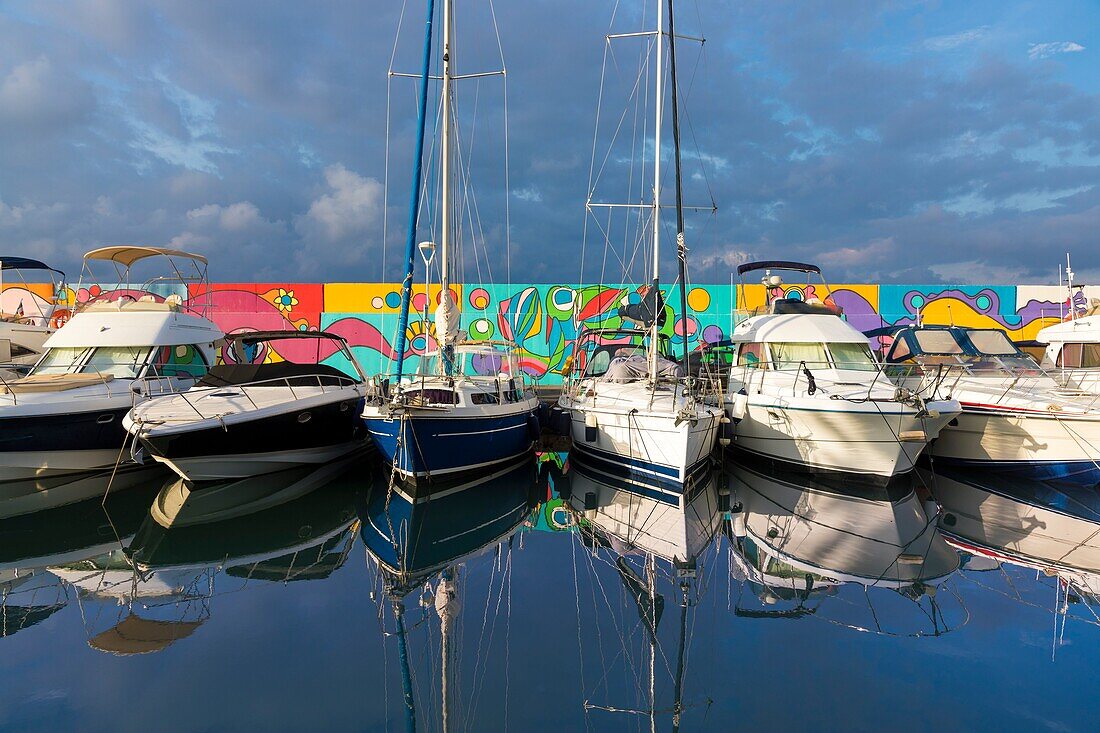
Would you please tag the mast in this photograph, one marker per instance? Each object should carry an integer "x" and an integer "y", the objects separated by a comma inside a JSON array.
[
  {"x": 681, "y": 248},
  {"x": 658, "y": 114},
  {"x": 445, "y": 175},
  {"x": 406, "y": 674},
  {"x": 414, "y": 196}
]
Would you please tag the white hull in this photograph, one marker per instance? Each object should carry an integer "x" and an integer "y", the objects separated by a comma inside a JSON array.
[
  {"x": 650, "y": 442},
  {"x": 29, "y": 496},
  {"x": 1014, "y": 436},
  {"x": 861, "y": 438},
  {"x": 244, "y": 465}
]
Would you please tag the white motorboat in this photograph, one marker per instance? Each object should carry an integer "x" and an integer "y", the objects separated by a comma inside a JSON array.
[
  {"x": 65, "y": 417},
  {"x": 633, "y": 413},
  {"x": 1072, "y": 353},
  {"x": 805, "y": 391},
  {"x": 1015, "y": 416},
  {"x": 26, "y": 318},
  {"x": 468, "y": 407},
  {"x": 244, "y": 419}
]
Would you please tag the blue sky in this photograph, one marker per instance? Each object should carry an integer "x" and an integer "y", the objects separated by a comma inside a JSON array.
[{"x": 888, "y": 141}]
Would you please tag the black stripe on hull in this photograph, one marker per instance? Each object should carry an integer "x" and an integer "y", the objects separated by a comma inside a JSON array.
[
  {"x": 94, "y": 430},
  {"x": 327, "y": 425}
]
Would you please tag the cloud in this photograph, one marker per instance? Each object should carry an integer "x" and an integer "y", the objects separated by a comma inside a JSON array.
[
  {"x": 238, "y": 217},
  {"x": 955, "y": 40},
  {"x": 1038, "y": 51},
  {"x": 352, "y": 205},
  {"x": 35, "y": 94},
  {"x": 530, "y": 194}
]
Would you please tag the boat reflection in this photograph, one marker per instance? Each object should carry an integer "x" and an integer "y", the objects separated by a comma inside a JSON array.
[
  {"x": 1049, "y": 526},
  {"x": 412, "y": 542},
  {"x": 143, "y": 595},
  {"x": 799, "y": 540},
  {"x": 656, "y": 542},
  {"x": 31, "y": 543}
]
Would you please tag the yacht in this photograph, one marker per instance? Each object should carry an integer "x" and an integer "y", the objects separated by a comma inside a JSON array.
[
  {"x": 127, "y": 344},
  {"x": 244, "y": 419},
  {"x": 26, "y": 318},
  {"x": 806, "y": 393},
  {"x": 633, "y": 412},
  {"x": 1015, "y": 416},
  {"x": 1072, "y": 347},
  {"x": 468, "y": 407}
]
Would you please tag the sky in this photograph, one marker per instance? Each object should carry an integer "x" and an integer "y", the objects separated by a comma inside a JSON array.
[{"x": 917, "y": 142}]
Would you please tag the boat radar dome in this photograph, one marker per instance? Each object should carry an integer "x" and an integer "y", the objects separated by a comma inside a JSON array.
[{"x": 773, "y": 281}]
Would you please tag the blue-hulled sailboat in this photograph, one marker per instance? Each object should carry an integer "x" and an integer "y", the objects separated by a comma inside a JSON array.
[{"x": 468, "y": 407}]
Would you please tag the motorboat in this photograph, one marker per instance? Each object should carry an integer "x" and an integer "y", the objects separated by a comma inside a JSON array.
[
  {"x": 633, "y": 410},
  {"x": 274, "y": 405},
  {"x": 468, "y": 408},
  {"x": 1072, "y": 347},
  {"x": 121, "y": 347},
  {"x": 805, "y": 392},
  {"x": 27, "y": 318},
  {"x": 1015, "y": 417}
]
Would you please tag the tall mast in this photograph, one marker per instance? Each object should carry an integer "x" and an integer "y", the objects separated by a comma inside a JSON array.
[
  {"x": 445, "y": 153},
  {"x": 659, "y": 105},
  {"x": 681, "y": 247}
]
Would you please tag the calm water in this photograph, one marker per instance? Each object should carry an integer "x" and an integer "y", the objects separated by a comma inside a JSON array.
[{"x": 813, "y": 607}]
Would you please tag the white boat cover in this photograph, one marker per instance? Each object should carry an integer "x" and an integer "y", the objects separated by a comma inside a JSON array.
[{"x": 624, "y": 369}]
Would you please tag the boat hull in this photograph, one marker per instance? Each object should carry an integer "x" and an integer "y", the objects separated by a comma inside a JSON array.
[
  {"x": 419, "y": 445},
  {"x": 862, "y": 440},
  {"x": 255, "y": 445},
  {"x": 1028, "y": 444},
  {"x": 59, "y": 444}
]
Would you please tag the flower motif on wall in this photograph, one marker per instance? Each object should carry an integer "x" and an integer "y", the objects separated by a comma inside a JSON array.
[{"x": 285, "y": 300}]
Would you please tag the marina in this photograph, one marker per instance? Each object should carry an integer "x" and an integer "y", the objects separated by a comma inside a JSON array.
[{"x": 409, "y": 473}]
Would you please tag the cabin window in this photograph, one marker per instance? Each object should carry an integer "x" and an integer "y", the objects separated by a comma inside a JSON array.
[
  {"x": 901, "y": 350},
  {"x": 60, "y": 360},
  {"x": 752, "y": 355},
  {"x": 484, "y": 398},
  {"x": 792, "y": 355},
  {"x": 431, "y": 397},
  {"x": 597, "y": 367},
  {"x": 185, "y": 360},
  {"x": 121, "y": 362},
  {"x": 1079, "y": 356},
  {"x": 852, "y": 356},
  {"x": 992, "y": 343},
  {"x": 937, "y": 342}
]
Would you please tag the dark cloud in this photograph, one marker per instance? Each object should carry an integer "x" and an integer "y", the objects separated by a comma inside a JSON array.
[{"x": 887, "y": 140}]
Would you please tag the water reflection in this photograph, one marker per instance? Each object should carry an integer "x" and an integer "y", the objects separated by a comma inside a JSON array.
[
  {"x": 798, "y": 540},
  {"x": 470, "y": 606}
]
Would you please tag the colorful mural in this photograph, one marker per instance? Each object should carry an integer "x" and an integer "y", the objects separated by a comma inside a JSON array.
[{"x": 544, "y": 319}]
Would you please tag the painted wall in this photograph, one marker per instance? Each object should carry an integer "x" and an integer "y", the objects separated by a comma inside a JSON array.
[{"x": 540, "y": 318}]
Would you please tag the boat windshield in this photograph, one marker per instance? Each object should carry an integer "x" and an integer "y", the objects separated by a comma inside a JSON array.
[
  {"x": 60, "y": 360},
  {"x": 993, "y": 343},
  {"x": 856, "y": 357},
  {"x": 795, "y": 355},
  {"x": 938, "y": 342},
  {"x": 485, "y": 362},
  {"x": 121, "y": 362}
]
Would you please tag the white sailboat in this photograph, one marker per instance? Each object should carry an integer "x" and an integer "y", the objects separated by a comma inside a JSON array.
[
  {"x": 634, "y": 414},
  {"x": 469, "y": 406},
  {"x": 1072, "y": 354}
]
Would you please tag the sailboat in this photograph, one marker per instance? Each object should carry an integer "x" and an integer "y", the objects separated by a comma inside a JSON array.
[
  {"x": 1072, "y": 353},
  {"x": 633, "y": 413},
  {"x": 469, "y": 406}
]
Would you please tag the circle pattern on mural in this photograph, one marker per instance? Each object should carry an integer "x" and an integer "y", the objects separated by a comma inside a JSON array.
[
  {"x": 559, "y": 302},
  {"x": 698, "y": 299},
  {"x": 692, "y": 326},
  {"x": 481, "y": 329},
  {"x": 795, "y": 294},
  {"x": 377, "y": 303},
  {"x": 479, "y": 298},
  {"x": 393, "y": 299},
  {"x": 983, "y": 302},
  {"x": 712, "y": 334},
  {"x": 917, "y": 301},
  {"x": 419, "y": 301}
]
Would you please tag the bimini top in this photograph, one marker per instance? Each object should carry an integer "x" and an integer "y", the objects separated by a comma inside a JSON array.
[
  {"x": 24, "y": 263},
  {"x": 777, "y": 265},
  {"x": 797, "y": 328},
  {"x": 256, "y": 337},
  {"x": 127, "y": 255},
  {"x": 953, "y": 341}
]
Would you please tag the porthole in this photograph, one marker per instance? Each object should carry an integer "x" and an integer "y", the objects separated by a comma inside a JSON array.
[{"x": 304, "y": 417}]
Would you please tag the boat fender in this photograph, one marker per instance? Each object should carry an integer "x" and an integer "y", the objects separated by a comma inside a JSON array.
[
  {"x": 534, "y": 430},
  {"x": 723, "y": 503},
  {"x": 590, "y": 501},
  {"x": 737, "y": 524},
  {"x": 739, "y": 407},
  {"x": 591, "y": 428},
  {"x": 559, "y": 421}
]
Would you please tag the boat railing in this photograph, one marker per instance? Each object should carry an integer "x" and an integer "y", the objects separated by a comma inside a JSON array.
[
  {"x": 808, "y": 378},
  {"x": 147, "y": 385},
  {"x": 382, "y": 387},
  {"x": 241, "y": 390}
]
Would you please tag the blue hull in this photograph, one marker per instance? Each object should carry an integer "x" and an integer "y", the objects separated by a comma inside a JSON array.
[
  {"x": 1083, "y": 473},
  {"x": 421, "y": 446}
]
